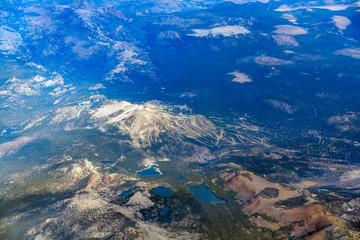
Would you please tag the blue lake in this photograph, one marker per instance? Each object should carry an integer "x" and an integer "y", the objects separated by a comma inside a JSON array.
[
  {"x": 208, "y": 163},
  {"x": 181, "y": 178},
  {"x": 163, "y": 191},
  {"x": 164, "y": 211},
  {"x": 125, "y": 193},
  {"x": 108, "y": 162},
  {"x": 8, "y": 131},
  {"x": 204, "y": 164},
  {"x": 149, "y": 171},
  {"x": 204, "y": 194},
  {"x": 201, "y": 171}
]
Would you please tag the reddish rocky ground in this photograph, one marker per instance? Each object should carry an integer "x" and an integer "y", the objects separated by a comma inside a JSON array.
[{"x": 273, "y": 206}]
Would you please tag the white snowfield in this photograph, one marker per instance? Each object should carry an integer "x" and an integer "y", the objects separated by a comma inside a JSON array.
[
  {"x": 225, "y": 31},
  {"x": 341, "y": 22},
  {"x": 289, "y": 30},
  {"x": 240, "y": 77},
  {"x": 330, "y": 7},
  {"x": 289, "y": 17},
  {"x": 10, "y": 40},
  {"x": 247, "y": 1},
  {"x": 147, "y": 124},
  {"x": 14, "y": 91},
  {"x": 97, "y": 87},
  {"x": 285, "y": 40},
  {"x": 266, "y": 60},
  {"x": 31, "y": 86},
  {"x": 144, "y": 123},
  {"x": 350, "y": 52}
]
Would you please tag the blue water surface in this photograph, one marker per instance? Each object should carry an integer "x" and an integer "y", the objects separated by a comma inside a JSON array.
[
  {"x": 108, "y": 162},
  {"x": 208, "y": 163},
  {"x": 204, "y": 194},
  {"x": 8, "y": 131},
  {"x": 181, "y": 178},
  {"x": 201, "y": 171},
  {"x": 164, "y": 211},
  {"x": 149, "y": 171},
  {"x": 163, "y": 191},
  {"x": 125, "y": 193}
]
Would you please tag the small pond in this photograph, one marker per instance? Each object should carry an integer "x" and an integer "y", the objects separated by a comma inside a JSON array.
[
  {"x": 125, "y": 193},
  {"x": 208, "y": 163},
  {"x": 181, "y": 178},
  {"x": 164, "y": 211},
  {"x": 108, "y": 162},
  {"x": 199, "y": 171},
  {"x": 204, "y": 194},
  {"x": 163, "y": 191},
  {"x": 8, "y": 131},
  {"x": 150, "y": 171}
]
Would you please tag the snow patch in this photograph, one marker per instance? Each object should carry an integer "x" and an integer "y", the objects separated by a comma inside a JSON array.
[
  {"x": 350, "y": 52},
  {"x": 265, "y": 60},
  {"x": 285, "y": 40},
  {"x": 341, "y": 22},
  {"x": 289, "y": 30},
  {"x": 240, "y": 77},
  {"x": 188, "y": 94},
  {"x": 225, "y": 31},
  {"x": 247, "y": 1},
  {"x": 330, "y": 7},
  {"x": 289, "y": 17},
  {"x": 10, "y": 40},
  {"x": 36, "y": 66},
  {"x": 96, "y": 87}
]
